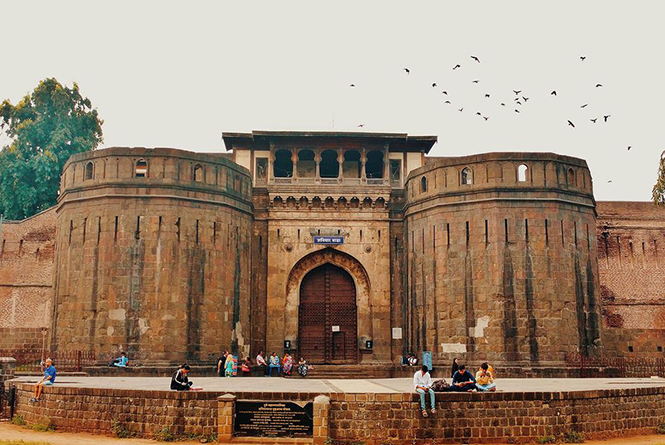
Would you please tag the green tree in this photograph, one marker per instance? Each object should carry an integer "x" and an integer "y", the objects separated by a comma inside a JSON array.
[
  {"x": 658, "y": 194},
  {"x": 45, "y": 128}
]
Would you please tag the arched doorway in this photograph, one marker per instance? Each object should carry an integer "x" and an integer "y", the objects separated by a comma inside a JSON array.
[{"x": 327, "y": 316}]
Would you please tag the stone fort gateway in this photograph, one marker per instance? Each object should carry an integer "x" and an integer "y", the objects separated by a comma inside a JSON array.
[{"x": 346, "y": 248}]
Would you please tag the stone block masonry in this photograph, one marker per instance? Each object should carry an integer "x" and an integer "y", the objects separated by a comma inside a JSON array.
[{"x": 373, "y": 418}]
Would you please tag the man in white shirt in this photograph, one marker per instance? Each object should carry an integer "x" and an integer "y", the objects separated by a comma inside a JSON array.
[
  {"x": 422, "y": 382},
  {"x": 262, "y": 363}
]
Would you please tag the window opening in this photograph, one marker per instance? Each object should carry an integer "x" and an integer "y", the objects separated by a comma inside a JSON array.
[
  {"x": 89, "y": 170},
  {"x": 141, "y": 169},
  {"x": 467, "y": 176},
  {"x": 306, "y": 164},
  {"x": 374, "y": 165},
  {"x": 352, "y": 166},
  {"x": 283, "y": 165},
  {"x": 329, "y": 167},
  {"x": 521, "y": 173}
]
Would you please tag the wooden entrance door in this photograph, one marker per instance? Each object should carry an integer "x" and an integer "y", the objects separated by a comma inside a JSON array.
[{"x": 327, "y": 317}]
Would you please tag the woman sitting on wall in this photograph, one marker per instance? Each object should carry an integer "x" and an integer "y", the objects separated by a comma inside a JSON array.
[{"x": 287, "y": 365}]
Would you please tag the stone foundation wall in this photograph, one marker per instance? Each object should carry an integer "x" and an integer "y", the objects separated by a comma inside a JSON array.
[{"x": 372, "y": 418}]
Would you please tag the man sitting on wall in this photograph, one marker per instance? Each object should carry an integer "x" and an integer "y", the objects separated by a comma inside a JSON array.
[
  {"x": 463, "y": 380},
  {"x": 422, "y": 382},
  {"x": 485, "y": 379},
  {"x": 47, "y": 380}
]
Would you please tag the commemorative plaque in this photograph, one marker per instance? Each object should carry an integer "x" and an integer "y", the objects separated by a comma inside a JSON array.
[{"x": 273, "y": 419}]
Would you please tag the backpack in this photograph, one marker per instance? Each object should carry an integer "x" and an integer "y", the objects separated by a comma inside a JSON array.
[{"x": 440, "y": 385}]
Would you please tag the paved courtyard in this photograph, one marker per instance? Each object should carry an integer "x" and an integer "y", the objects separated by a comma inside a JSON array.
[{"x": 278, "y": 384}]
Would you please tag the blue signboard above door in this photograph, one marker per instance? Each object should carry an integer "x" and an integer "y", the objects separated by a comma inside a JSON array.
[{"x": 328, "y": 240}]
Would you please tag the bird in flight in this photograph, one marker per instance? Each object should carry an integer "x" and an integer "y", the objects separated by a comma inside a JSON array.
[
  {"x": 361, "y": 125},
  {"x": 571, "y": 124},
  {"x": 486, "y": 117},
  {"x": 517, "y": 92},
  {"x": 582, "y": 58},
  {"x": 476, "y": 59},
  {"x": 352, "y": 85},
  {"x": 606, "y": 117},
  {"x": 517, "y": 111},
  {"x": 457, "y": 66},
  {"x": 447, "y": 102},
  {"x": 502, "y": 104},
  {"x": 475, "y": 81},
  {"x": 593, "y": 120},
  {"x": 487, "y": 95},
  {"x": 408, "y": 71},
  {"x": 609, "y": 181},
  {"x": 584, "y": 106},
  {"x": 518, "y": 102},
  {"x": 629, "y": 147},
  {"x": 444, "y": 92},
  {"x": 434, "y": 85},
  {"x": 461, "y": 109},
  {"x": 478, "y": 113},
  {"x": 553, "y": 93},
  {"x": 525, "y": 99},
  {"x": 598, "y": 85}
]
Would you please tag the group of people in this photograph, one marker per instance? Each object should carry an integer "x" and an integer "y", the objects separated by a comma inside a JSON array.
[
  {"x": 283, "y": 367},
  {"x": 463, "y": 381}
]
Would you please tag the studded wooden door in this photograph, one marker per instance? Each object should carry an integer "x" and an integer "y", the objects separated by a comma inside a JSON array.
[{"x": 327, "y": 317}]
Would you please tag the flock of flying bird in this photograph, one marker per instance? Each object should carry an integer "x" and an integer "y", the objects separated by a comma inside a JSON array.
[{"x": 519, "y": 100}]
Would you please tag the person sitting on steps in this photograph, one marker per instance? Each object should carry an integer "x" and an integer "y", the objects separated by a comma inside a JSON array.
[
  {"x": 463, "y": 380},
  {"x": 422, "y": 383},
  {"x": 485, "y": 379}
]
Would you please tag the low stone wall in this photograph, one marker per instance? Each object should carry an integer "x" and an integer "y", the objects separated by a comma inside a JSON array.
[
  {"x": 7, "y": 366},
  {"x": 370, "y": 418}
]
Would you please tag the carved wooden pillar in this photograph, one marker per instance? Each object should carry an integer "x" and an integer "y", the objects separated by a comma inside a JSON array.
[
  {"x": 340, "y": 163},
  {"x": 317, "y": 160},
  {"x": 294, "y": 161},
  {"x": 363, "y": 160},
  {"x": 386, "y": 164},
  {"x": 271, "y": 160}
]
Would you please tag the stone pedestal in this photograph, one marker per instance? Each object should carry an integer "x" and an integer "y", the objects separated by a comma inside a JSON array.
[{"x": 225, "y": 413}]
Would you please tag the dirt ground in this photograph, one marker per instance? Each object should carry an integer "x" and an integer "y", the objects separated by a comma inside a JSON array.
[{"x": 13, "y": 432}]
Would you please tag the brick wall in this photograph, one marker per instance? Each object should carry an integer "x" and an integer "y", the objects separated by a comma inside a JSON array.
[
  {"x": 371, "y": 418},
  {"x": 27, "y": 251},
  {"x": 631, "y": 263}
]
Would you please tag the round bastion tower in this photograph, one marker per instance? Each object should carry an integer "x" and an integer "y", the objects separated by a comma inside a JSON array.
[
  {"x": 153, "y": 255},
  {"x": 501, "y": 259}
]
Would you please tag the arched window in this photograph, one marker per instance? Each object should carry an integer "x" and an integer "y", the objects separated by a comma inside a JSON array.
[
  {"x": 423, "y": 184},
  {"x": 374, "y": 165},
  {"x": 521, "y": 173},
  {"x": 571, "y": 176},
  {"x": 283, "y": 166},
  {"x": 329, "y": 167},
  {"x": 467, "y": 176},
  {"x": 306, "y": 164},
  {"x": 197, "y": 175},
  {"x": 141, "y": 169},
  {"x": 352, "y": 166},
  {"x": 89, "y": 168}
]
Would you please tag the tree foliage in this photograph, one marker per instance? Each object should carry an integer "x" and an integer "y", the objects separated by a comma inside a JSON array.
[
  {"x": 45, "y": 128},
  {"x": 658, "y": 194}
]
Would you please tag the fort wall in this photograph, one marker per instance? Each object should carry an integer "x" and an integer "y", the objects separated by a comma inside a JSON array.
[
  {"x": 27, "y": 252},
  {"x": 631, "y": 250},
  {"x": 154, "y": 255},
  {"x": 501, "y": 268}
]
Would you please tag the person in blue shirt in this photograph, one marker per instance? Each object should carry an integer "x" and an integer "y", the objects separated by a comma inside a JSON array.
[
  {"x": 121, "y": 361},
  {"x": 463, "y": 380},
  {"x": 47, "y": 380}
]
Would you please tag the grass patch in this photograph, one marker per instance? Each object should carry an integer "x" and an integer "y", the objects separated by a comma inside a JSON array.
[
  {"x": 164, "y": 435},
  {"x": 18, "y": 420},
  {"x": 119, "y": 430},
  {"x": 573, "y": 437},
  {"x": 546, "y": 439},
  {"x": 43, "y": 426},
  {"x": 212, "y": 438}
]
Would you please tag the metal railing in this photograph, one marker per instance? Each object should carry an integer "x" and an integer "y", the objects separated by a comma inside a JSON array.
[
  {"x": 601, "y": 366},
  {"x": 31, "y": 360}
]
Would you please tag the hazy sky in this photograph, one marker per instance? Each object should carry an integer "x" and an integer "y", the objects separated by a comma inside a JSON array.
[{"x": 177, "y": 74}]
